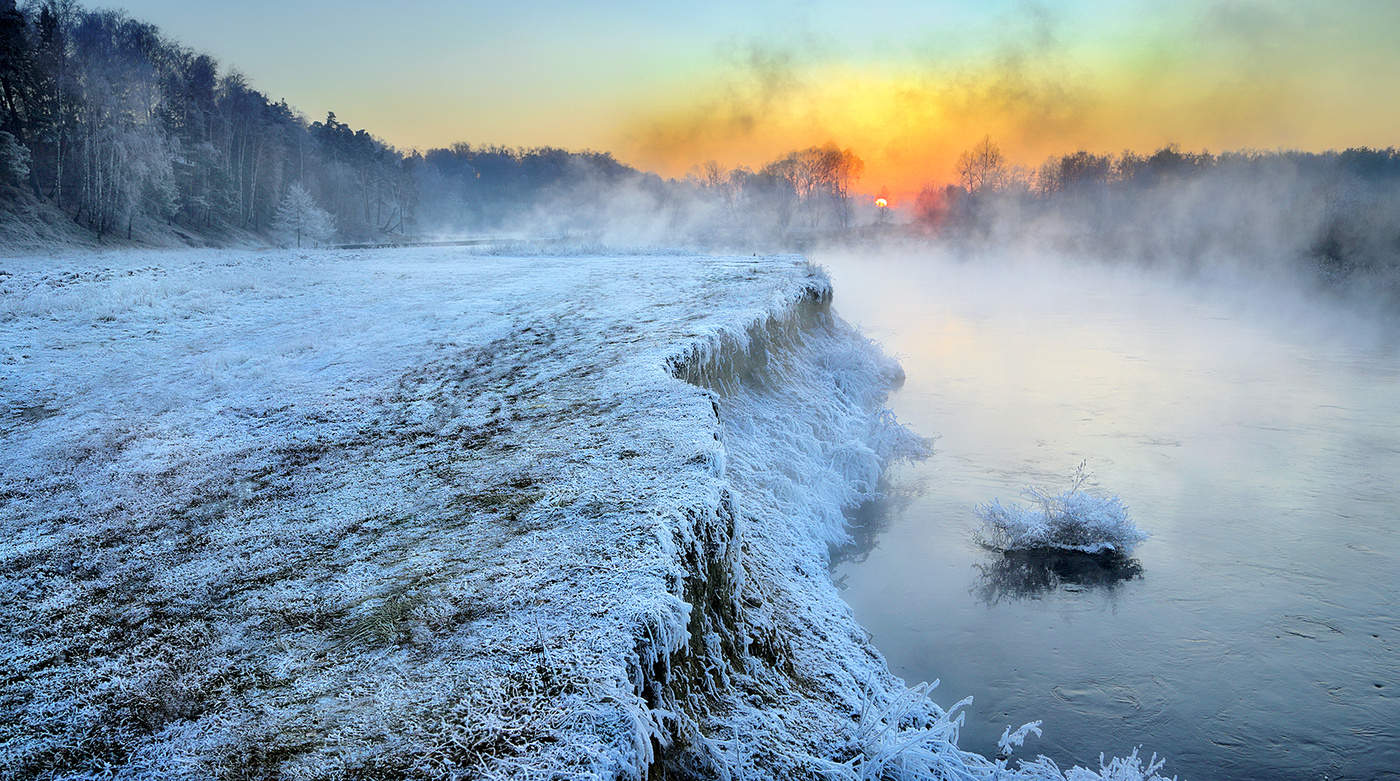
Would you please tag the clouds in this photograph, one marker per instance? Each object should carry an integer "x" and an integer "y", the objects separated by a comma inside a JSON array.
[
  {"x": 915, "y": 110},
  {"x": 1042, "y": 80},
  {"x": 907, "y": 83}
]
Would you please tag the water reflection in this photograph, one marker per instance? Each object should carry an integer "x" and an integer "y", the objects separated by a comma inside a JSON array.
[
  {"x": 1027, "y": 574},
  {"x": 1260, "y": 434},
  {"x": 868, "y": 521}
]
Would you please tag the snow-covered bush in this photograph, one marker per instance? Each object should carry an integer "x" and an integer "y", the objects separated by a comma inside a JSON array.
[
  {"x": 1073, "y": 520},
  {"x": 912, "y": 738}
]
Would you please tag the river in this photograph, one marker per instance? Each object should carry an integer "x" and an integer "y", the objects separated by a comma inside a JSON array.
[{"x": 1254, "y": 431}]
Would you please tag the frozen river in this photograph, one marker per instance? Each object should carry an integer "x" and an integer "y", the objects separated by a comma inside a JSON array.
[{"x": 1257, "y": 437}]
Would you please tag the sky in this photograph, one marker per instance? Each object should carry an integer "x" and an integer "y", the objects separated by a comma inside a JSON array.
[{"x": 906, "y": 84}]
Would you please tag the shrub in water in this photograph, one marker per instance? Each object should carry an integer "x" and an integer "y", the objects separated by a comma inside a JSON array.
[{"x": 1071, "y": 520}]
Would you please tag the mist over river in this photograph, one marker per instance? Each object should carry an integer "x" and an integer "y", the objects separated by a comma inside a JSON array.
[{"x": 1251, "y": 428}]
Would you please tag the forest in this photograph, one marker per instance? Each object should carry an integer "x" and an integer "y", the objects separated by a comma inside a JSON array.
[
  {"x": 112, "y": 133},
  {"x": 1333, "y": 212},
  {"x": 133, "y": 136}
]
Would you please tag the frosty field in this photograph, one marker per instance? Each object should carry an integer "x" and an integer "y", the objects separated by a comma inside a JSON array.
[{"x": 418, "y": 513}]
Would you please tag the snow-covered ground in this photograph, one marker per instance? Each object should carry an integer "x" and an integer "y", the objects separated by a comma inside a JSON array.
[{"x": 421, "y": 513}]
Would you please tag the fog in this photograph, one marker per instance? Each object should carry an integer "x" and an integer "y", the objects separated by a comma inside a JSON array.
[
  {"x": 1015, "y": 282},
  {"x": 115, "y": 135},
  {"x": 1272, "y": 230},
  {"x": 1246, "y": 415},
  {"x": 1216, "y": 335}
]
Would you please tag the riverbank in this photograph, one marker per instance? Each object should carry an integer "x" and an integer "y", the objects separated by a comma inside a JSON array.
[{"x": 425, "y": 514}]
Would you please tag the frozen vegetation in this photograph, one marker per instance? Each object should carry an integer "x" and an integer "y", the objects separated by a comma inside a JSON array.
[
  {"x": 1075, "y": 520},
  {"x": 422, "y": 514}
]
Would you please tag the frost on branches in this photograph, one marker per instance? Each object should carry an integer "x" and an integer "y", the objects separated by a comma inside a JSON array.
[
  {"x": 1074, "y": 520},
  {"x": 300, "y": 220}
]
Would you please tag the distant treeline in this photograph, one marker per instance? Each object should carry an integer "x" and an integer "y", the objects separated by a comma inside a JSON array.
[
  {"x": 131, "y": 134},
  {"x": 126, "y": 134},
  {"x": 127, "y": 131},
  {"x": 1336, "y": 211}
]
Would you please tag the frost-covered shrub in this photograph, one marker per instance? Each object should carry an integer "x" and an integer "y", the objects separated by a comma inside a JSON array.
[
  {"x": 912, "y": 738},
  {"x": 1073, "y": 520},
  {"x": 1129, "y": 768}
]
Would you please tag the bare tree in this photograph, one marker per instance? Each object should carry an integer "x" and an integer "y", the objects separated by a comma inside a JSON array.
[
  {"x": 817, "y": 173},
  {"x": 982, "y": 168},
  {"x": 836, "y": 170}
]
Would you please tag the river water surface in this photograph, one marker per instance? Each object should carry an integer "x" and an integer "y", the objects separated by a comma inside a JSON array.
[{"x": 1254, "y": 435}]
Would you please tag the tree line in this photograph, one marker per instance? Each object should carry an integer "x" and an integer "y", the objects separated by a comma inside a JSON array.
[
  {"x": 133, "y": 135},
  {"x": 1338, "y": 211},
  {"x": 126, "y": 130}
]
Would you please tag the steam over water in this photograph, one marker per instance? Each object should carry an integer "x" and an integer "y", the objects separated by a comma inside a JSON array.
[{"x": 1254, "y": 434}]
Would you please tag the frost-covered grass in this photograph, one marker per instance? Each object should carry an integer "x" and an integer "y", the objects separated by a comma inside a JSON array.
[
  {"x": 1075, "y": 519},
  {"x": 423, "y": 514}
]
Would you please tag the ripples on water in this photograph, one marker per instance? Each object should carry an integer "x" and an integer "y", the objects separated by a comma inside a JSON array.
[{"x": 1255, "y": 434}]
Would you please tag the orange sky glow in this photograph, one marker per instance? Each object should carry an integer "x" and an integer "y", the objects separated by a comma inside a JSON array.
[
  {"x": 910, "y": 127},
  {"x": 906, "y": 84}
]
